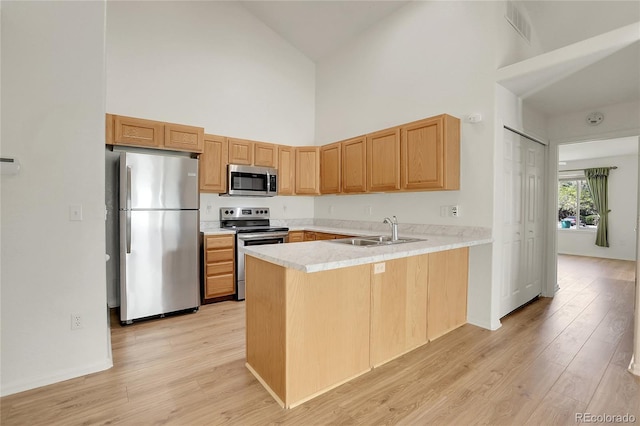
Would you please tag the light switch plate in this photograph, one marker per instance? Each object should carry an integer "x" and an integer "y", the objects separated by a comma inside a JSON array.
[{"x": 378, "y": 268}]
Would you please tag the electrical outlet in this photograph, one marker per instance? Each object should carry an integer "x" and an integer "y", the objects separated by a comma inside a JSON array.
[
  {"x": 455, "y": 211},
  {"x": 76, "y": 322},
  {"x": 378, "y": 268},
  {"x": 368, "y": 210}
]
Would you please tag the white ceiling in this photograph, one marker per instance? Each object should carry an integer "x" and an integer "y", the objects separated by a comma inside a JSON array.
[
  {"x": 598, "y": 149},
  {"x": 318, "y": 28}
]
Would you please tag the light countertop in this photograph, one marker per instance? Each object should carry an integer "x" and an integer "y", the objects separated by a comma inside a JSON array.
[{"x": 315, "y": 256}]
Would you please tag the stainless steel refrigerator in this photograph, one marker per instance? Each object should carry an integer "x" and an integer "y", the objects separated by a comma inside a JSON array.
[{"x": 159, "y": 229}]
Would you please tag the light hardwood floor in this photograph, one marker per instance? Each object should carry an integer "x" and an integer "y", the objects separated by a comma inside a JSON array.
[{"x": 550, "y": 360}]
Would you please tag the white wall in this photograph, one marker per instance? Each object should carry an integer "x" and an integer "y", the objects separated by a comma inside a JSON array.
[
  {"x": 53, "y": 122},
  {"x": 622, "y": 218},
  {"x": 208, "y": 64},
  {"x": 214, "y": 65},
  {"x": 426, "y": 59}
]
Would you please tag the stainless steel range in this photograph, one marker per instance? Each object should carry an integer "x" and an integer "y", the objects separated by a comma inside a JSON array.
[{"x": 253, "y": 228}]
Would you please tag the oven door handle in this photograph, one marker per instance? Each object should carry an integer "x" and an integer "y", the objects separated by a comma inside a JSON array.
[{"x": 262, "y": 236}]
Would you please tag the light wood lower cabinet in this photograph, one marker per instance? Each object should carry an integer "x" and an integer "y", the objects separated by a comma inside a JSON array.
[
  {"x": 306, "y": 333},
  {"x": 447, "y": 298},
  {"x": 310, "y": 332},
  {"x": 296, "y": 236},
  {"x": 317, "y": 236},
  {"x": 219, "y": 267},
  {"x": 398, "y": 308}
]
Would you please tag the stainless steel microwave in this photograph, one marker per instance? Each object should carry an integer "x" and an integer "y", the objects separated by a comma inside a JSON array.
[{"x": 252, "y": 181}]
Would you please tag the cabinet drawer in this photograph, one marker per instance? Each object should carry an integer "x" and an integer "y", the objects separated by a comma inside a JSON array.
[
  {"x": 219, "y": 285},
  {"x": 219, "y": 255},
  {"x": 219, "y": 268},
  {"x": 219, "y": 242}
]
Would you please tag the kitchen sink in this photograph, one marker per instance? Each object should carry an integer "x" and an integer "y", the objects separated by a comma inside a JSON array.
[{"x": 381, "y": 240}]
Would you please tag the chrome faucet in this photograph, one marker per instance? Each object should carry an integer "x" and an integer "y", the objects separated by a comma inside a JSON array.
[{"x": 394, "y": 227}]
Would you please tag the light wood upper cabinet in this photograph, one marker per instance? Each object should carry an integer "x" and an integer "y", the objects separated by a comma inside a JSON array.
[
  {"x": 108, "y": 124},
  {"x": 183, "y": 138},
  {"x": 286, "y": 170},
  {"x": 137, "y": 132},
  {"x": 383, "y": 160},
  {"x": 354, "y": 165},
  {"x": 431, "y": 154},
  {"x": 307, "y": 170},
  {"x": 447, "y": 292},
  {"x": 330, "y": 168},
  {"x": 265, "y": 154},
  {"x": 213, "y": 164},
  {"x": 240, "y": 151}
]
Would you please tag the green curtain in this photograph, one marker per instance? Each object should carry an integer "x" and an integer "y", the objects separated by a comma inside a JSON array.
[{"x": 597, "y": 180}]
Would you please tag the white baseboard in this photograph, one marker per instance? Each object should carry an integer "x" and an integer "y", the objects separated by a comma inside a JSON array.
[
  {"x": 484, "y": 324},
  {"x": 60, "y": 376}
]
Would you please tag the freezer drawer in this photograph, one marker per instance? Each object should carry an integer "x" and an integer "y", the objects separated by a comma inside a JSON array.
[{"x": 159, "y": 265}]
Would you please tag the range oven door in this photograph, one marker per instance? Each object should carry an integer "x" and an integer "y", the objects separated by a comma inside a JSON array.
[{"x": 253, "y": 239}]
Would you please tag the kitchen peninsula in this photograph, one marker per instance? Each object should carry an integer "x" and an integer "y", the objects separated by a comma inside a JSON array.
[{"x": 321, "y": 313}]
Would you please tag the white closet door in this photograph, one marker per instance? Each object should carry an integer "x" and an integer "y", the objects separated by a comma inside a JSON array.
[
  {"x": 523, "y": 214},
  {"x": 534, "y": 203}
]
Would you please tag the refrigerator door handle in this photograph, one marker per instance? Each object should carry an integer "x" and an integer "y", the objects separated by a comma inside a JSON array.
[{"x": 128, "y": 229}]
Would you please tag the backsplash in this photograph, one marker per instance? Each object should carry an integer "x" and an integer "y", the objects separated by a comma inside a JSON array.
[{"x": 403, "y": 228}]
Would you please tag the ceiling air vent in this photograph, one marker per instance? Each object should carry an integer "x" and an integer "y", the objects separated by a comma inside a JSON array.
[{"x": 518, "y": 21}]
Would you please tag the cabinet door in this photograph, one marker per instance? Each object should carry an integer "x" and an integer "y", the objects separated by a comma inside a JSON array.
[
  {"x": 137, "y": 132},
  {"x": 383, "y": 160},
  {"x": 213, "y": 164},
  {"x": 307, "y": 170},
  {"x": 183, "y": 138},
  {"x": 398, "y": 307},
  {"x": 330, "y": 168},
  {"x": 240, "y": 151},
  {"x": 447, "y": 294},
  {"x": 296, "y": 236},
  {"x": 354, "y": 165},
  {"x": 286, "y": 170},
  {"x": 265, "y": 154},
  {"x": 309, "y": 236},
  {"x": 431, "y": 154}
]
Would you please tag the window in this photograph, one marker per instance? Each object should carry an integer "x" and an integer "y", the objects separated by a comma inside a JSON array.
[{"x": 575, "y": 205}]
